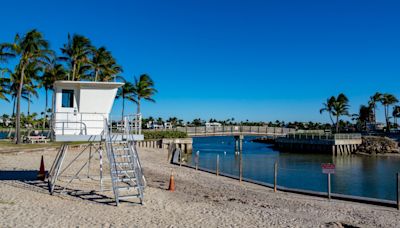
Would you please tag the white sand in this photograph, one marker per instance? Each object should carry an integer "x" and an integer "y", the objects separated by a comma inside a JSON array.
[{"x": 200, "y": 200}]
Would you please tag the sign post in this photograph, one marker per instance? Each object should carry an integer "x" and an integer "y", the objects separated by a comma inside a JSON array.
[{"x": 328, "y": 168}]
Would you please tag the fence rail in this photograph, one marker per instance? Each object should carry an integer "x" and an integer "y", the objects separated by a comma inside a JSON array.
[
  {"x": 326, "y": 136},
  {"x": 230, "y": 130}
]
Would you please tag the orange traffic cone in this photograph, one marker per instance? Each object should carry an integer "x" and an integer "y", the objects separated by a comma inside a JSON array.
[
  {"x": 42, "y": 173},
  {"x": 171, "y": 183}
]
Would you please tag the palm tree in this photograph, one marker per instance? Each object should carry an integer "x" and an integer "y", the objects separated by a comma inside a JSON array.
[
  {"x": 377, "y": 97},
  {"x": 104, "y": 65},
  {"x": 31, "y": 91},
  {"x": 144, "y": 89},
  {"x": 5, "y": 53},
  {"x": 126, "y": 92},
  {"x": 173, "y": 121},
  {"x": 32, "y": 48},
  {"x": 76, "y": 53},
  {"x": 387, "y": 100},
  {"x": 160, "y": 121},
  {"x": 4, "y": 88},
  {"x": 14, "y": 88},
  {"x": 337, "y": 107},
  {"x": 328, "y": 107},
  {"x": 4, "y": 84},
  {"x": 32, "y": 74},
  {"x": 363, "y": 116},
  {"x": 396, "y": 113},
  {"x": 52, "y": 73}
]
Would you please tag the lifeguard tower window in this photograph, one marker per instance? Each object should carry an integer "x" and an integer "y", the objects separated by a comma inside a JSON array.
[{"x": 67, "y": 98}]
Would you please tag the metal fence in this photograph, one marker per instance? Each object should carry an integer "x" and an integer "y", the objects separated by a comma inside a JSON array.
[{"x": 228, "y": 130}]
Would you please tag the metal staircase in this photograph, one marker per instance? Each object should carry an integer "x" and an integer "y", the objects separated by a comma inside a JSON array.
[{"x": 125, "y": 169}]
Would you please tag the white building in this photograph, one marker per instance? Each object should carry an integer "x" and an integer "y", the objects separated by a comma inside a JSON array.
[
  {"x": 80, "y": 108},
  {"x": 213, "y": 124}
]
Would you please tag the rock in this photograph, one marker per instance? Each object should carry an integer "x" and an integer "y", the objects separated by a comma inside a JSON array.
[{"x": 378, "y": 145}]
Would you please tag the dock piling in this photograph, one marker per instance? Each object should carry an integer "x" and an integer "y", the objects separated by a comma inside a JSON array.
[
  {"x": 197, "y": 160},
  {"x": 275, "y": 176},
  {"x": 217, "y": 169},
  {"x": 398, "y": 191},
  {"x": 329, "y": 186}
]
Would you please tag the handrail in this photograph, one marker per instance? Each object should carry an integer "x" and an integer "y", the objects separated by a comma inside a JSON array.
[
  {"x": 94, "y": 121},
  {"x": 73, "y": 122}
]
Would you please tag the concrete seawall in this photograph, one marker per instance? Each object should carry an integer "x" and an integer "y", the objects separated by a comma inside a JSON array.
[
  {"x": 338, "y": 144},
  {"x": 185, "y": 144}
]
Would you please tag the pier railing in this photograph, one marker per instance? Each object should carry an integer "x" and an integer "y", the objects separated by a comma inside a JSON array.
[
  {"x": 232, "y": 130},
  {"x": 326, "y": 136}
]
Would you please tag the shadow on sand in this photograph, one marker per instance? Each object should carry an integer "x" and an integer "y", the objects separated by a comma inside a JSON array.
[{"x": 28, "y": 178}]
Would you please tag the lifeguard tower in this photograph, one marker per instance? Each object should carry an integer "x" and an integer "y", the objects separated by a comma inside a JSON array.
[{"x": 81, "y": 112}]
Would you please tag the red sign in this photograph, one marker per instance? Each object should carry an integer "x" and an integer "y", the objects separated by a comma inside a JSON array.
[{"x": 328, "y": 168}]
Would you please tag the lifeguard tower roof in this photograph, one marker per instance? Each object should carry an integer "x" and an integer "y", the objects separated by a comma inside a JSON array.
[{"x": 80, "y": 108}]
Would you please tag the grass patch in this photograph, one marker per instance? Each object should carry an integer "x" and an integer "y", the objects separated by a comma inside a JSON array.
[{"x": 164, "y": 134}]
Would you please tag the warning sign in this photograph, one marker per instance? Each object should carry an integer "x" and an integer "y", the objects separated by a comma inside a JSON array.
[{"x": 328, "y": 168}]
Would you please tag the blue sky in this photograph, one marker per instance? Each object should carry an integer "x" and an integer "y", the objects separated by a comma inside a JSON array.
[{"x": 256, "y": 60}]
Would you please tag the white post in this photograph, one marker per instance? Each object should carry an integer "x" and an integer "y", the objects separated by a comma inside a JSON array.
[{"x": 329, "y": 186}]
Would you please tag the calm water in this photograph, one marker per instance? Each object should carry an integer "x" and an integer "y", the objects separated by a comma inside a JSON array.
[
  {"x": 373, "y": 177},
  {"x": 3, "y": 135}
]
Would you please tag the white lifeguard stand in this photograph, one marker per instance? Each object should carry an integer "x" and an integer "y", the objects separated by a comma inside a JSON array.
[
  {"x": 80, "y": 108},
  {"x": 81, "y": 112}
]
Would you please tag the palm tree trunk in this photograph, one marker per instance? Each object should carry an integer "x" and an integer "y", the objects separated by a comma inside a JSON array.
[
  {"x": 123, "y": 107},
  {"x": 13, "y": 113},
  {"x": 45, "y": 108},
  {"x": 29, "y": 103},
  {"x": 387, "y": 118},
  {"x": 337, "y": 124},
  {"x": 96, "y": 75},
  {"x": 18, "y": 119},
  {"x": 330, "y": 116},
  {"x": 139, "y": 118},
  {"x": 73, "y": 71},
  {"x": 138, "y": 106}
]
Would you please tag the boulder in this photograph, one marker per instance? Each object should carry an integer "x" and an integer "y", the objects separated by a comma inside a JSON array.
[{"x": 378, "y": 145}]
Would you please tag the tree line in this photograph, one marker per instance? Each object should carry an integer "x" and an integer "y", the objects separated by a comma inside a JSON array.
[
  {"x": 338, "y": 107},
  {"x": 38, "y": 66}
]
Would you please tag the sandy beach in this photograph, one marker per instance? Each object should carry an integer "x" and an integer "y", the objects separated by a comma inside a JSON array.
[{"x": 200, "y": 200}]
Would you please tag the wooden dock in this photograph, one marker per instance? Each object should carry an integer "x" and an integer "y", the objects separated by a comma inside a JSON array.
[{"x": 335, "y": 144}]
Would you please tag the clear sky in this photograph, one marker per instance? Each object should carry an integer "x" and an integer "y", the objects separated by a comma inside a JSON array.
[{"x": 257, "y": 60}]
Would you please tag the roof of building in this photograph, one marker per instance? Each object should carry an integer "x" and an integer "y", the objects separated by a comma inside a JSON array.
[{"x": 89, "y": 84}]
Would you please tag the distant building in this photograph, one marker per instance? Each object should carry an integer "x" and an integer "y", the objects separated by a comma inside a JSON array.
[
  {"x": 154, "y": 125},
  {"x": 213, "y": 124},
  {"x": 5, "y": 122}
]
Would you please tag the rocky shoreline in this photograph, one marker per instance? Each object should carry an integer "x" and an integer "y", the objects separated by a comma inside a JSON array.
[
  {"x": 371, "y": 145},
  {"x": 376, "y": 145}
]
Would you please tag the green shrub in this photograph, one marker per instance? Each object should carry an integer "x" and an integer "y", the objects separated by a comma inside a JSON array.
[{"x": 164, "y": 134}]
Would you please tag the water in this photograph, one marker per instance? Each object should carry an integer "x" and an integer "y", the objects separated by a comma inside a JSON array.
[
  {"x": 3, "y": 134},
  {"x": 373, "y": 177}
]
